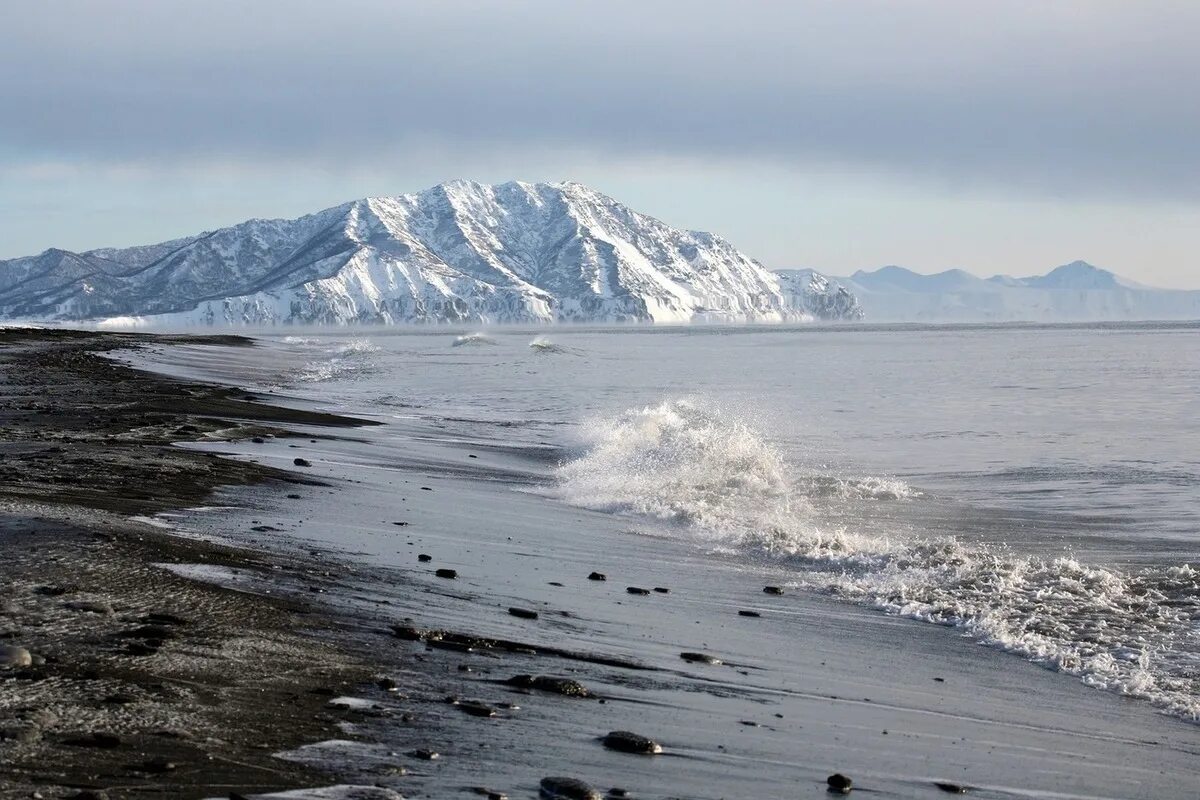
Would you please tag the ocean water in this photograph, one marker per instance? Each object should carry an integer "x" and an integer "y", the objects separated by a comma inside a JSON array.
[{"x": 1037, "y": 488}]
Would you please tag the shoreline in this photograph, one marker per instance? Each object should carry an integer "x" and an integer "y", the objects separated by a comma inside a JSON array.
[{"x": 123, "y": 678}]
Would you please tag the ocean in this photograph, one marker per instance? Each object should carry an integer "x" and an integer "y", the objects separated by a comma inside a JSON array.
[{"x": 1015, "y": 505}]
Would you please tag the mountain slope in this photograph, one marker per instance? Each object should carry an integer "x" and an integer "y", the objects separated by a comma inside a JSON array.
[
  {"x": 459, "y": 252},
  {"x": 1075, "y": 292}
]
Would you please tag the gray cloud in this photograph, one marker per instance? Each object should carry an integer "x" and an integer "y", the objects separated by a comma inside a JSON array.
[{"x": 1073, "y": 98}]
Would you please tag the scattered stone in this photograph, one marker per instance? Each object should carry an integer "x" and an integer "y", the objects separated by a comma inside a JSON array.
[
  {"x": 839, "y": 783},
  {"x": 628, "y": 742},
  {"x": 773, "y": 589},
  {"x": 662, "y": 590},
  {"x": 523, "y": 613},
  {"x": 448, "y": 574},
  {"x": 301, "y": 462},
  {"x": 636, "y": 590},
  {"x": 951, "y": 788},
  {"x": 597, "y": 576},
  {"x": 257, "y": 440},
  {"x": 567, "y": 789},
  {"x": 426, "y": 488},
  {"x": 475, "y": 709},
  {"x": 13, "y": 657},
  {"x": 545, "y": 683},
  {"x": 424, "y": 558},
  {"x": 424, "y": 755},
  {"x": 939, "y": 680},
  {"x": 699, "y": 658},
  {"x": 388, "y": 684},
  {"x": 555, "y": 583},
  {"x": 400, "y": 524},
  {"x": 749, "y": 614}
]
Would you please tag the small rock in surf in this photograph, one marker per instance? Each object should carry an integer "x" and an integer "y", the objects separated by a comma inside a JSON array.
[
  {"x": 301, "y": 462},
  {"x": 567, "y": 789},
  {"x": 448, "y": 574},
  {"x": 545, "y": 683},
  {"x": 951, "y": 788},
  {"x": 636, "y": 590},
  {"x": 597, "y": 576},
  {"x": 749, "y": 614},
  {"x": 629, "y": 742},
  {"x": 523, "y": 613},
  {"x": 839, "y": 783},
  {"x": 424, "y": 755},
  {"x": 773, "y": 589},
  {"x": 424, "y": 558},
  {"x": 662, "y": 590},
  {"x": 699, "y": 658}
]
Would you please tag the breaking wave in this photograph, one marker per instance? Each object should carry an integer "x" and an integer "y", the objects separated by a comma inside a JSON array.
[
  {"x": 353, "y": 357},
  {"x": 720, "y": 480},
  {"x": 542, "y": 344},
  {"x": 472, "y": 339}
]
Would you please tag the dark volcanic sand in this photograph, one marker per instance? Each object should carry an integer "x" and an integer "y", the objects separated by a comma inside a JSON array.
[{"x": 144, "y": 683}]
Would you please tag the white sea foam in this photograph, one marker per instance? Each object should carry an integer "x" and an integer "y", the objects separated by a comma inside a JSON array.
[
  {"x": 346, "y": 359},
  {"x": 473, "y": 339},
  {"x": 718, "y": 479}
]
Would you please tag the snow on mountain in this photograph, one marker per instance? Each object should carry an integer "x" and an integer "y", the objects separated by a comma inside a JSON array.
[
  {"x": 821, "y": 297},
  {"x": 458, "y": 252},
  {"x": 1075, "y": 292}
]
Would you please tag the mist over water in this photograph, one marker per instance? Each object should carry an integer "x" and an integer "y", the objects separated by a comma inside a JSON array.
[{"x": 1036, "y": 489}]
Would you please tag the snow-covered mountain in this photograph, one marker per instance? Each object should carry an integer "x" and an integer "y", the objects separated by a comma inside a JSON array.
[
  {"x": 1075, "y": 292},
  {"x": 459, "y": 252}
]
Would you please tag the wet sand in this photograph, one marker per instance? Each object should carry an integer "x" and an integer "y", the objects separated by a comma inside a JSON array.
[{"x": 811, "y": 687}]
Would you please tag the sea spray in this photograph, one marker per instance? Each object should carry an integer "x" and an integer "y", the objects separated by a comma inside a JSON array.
[{"x": 712, "y": 476}]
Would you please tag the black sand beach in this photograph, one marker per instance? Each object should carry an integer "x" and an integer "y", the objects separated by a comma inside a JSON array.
[{"x": 120, "y": 679}]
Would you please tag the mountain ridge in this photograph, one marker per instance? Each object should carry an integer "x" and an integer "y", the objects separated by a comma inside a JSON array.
[{"x": 460, "y": 251}]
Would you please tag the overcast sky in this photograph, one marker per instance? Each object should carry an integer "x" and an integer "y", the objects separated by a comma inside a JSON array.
[{"x": 997, "y": 137}]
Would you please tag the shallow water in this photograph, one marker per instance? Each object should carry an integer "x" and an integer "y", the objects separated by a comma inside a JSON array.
[{"x": 1032, "y": 489}]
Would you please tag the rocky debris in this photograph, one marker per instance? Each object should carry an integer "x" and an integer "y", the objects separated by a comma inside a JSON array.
[
  {"x": 597, "y": 576},
  {"x": 699, "y": 658},
  {"x": 424, "y": 755},
  {"x": 301, "y": 462},
  {"x": 636, "y": 590},
  {"x": 424, "y": 558},
  {"x": 474, "y": 708},
  {"x": 773, "y": 590},
  {"x": 950, "y": 788},
  {"x": 628, "y": 742},
  {"x": 14, "y": 657},
  {"x": 567, "y": 789},
  {"x": 749, "y": 614},
  {"x": 839, "y": 783},
  {"x": 466, "y": 643},
  {"x": 523, "y": 613},
  {"x": 545, "y": 683},
  {"x": 662, "y": 590},
  {"x": 448, "y": 574}
]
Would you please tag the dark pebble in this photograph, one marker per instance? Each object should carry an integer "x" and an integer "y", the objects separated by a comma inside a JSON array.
[
  {"x": 424, "y": 558},
  {"x": 158, "y": 766},
  {"x": 952, "y": 788},
  {"x": 700, "y": 658},
  {"x": 749, "y": 614},
  {"x": 257, "y": 440},
  {"x": 300, "y": 462},
  {"x": 662, "y": 590},
  {"x": 483, "y": 791},
  {"x": 597, "y": 576},
  {"x": 567, "y": 789},
  {"x": 475, "y": 709},
  {"x": 523, "y": 613},
  {"x": 773, "y": 589},
  {"x": 449, "y": 574},
  {"x": 839, "y": 783},
  {"x": 628, "y": 742},
  {"x": 545, "y": 683},
  {"x": 636, "y": 590},
  {"x": 424, "y": 755}
]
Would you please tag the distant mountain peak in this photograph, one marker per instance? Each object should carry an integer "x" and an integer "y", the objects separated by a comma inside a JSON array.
[{"x": 461, "y": 251}]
